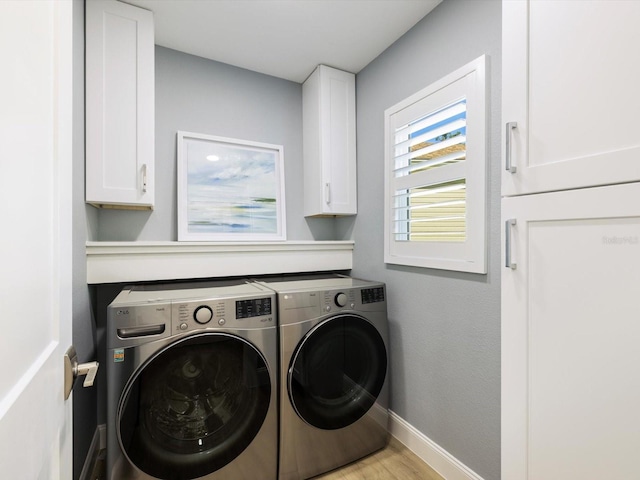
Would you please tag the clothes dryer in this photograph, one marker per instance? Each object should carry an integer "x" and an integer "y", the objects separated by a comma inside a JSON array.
[
  {"x": 191, "y": 382},
  {"x": 333, "y": 372}
]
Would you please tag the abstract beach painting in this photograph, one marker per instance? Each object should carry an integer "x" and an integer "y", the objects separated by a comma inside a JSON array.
[{"x": 229, "y": 189}]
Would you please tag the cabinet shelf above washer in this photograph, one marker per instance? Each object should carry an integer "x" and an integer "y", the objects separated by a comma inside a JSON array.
[{"x": 114, "y": 262}]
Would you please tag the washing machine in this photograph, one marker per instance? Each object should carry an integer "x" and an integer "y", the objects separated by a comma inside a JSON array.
[
  {"x": 333, "y": 372},
  {"x": 191, "y": 382}
]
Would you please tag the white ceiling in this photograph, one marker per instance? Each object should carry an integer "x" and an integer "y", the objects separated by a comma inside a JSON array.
[{"x": 284, "y": 38}]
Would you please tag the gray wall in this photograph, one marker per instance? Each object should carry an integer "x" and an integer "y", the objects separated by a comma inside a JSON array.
[
  {"x": 445, "y": 326},
  {"x": 202, "y": 96}
]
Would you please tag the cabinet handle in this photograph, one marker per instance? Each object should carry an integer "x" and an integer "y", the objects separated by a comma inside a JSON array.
[
  {"x": 507, "y": 243},
  {"x": 507, "y": 162},
  {"x": 327, "y": 193},
  {"x": 144, "y": 178}
]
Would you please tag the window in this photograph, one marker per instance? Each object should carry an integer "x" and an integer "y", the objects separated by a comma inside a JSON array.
[{"x": 435, "y": 174}]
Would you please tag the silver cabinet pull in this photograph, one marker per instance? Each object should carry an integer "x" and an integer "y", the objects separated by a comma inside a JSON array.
[
  {"x": 73, "y": 370},
  {"x": 507, "y": 156},
  {"x": 144, "y": 178},
  {"x": 327, "y": 193},
  {"x": 507, "y": 235}
]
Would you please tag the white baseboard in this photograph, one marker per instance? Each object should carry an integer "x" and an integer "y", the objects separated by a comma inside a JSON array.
[
  {"x": 98, "y": 442},
  {"x": 430, "y": 452}
]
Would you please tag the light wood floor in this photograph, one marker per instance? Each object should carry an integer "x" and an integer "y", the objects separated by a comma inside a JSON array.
[{"x": 395, "y": 462}]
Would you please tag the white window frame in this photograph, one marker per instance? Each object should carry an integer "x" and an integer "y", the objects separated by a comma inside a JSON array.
[{"x": 469, "y": 82}]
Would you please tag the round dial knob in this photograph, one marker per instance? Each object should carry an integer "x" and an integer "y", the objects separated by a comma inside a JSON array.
[
  {"x": 341, "y": 300},
  {"x": 203, "y": 314}
]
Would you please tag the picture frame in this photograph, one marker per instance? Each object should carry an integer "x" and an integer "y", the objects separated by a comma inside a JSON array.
[{"x": 229, "y": 189}]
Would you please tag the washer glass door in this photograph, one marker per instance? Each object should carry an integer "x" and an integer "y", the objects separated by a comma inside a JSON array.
[
  {"x": 337, "y": 372},
  {"x": 194, "y": 406}
]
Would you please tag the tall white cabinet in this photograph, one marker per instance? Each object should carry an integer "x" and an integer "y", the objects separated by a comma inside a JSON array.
[
  {"x": 329, "y": 142},
  {"x": 120, "y": 112},
  {"x": 570, "y": 335},
  {"x": 571, "y": 240}
]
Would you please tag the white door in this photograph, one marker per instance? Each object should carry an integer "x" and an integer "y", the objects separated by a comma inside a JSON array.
[
  {"x": 35, "y": 238},
  {"x": 570, "y": 81},
  {"x": 570, "y": 334}
]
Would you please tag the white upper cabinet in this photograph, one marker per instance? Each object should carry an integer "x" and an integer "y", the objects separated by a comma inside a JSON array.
[
  {"x": 329, "y": 143},
  {"x": 570, "y": 106},
  {"x": 119, "y": 105}
]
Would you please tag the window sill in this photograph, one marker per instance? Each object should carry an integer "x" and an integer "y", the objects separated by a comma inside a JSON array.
[{"x": 115, "y": 262}]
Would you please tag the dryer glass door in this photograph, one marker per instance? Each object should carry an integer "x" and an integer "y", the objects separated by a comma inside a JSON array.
[
  {"x": 337, "y": 372},
  {"x": 194, "y": 407}
]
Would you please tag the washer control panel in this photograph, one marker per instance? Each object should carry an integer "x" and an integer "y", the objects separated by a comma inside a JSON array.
[{"x": 234, "y": 313}]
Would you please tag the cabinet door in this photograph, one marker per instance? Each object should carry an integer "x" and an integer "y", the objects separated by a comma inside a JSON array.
[
  {"x": 570, "y": 334},
  {"x": 120, "y": 104},
  {"x": 329, "y": 131},
  {"x": 570, "y": 107},
  {"x": 338, "y": 139}
]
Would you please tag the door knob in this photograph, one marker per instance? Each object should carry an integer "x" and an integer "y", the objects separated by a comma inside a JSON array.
[{"x": 73, "y": 370}]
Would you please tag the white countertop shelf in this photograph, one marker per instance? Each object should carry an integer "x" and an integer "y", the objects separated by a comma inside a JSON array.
[{"x": 116, "y": 262}]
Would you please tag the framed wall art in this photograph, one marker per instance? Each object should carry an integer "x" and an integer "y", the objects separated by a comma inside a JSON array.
[{"x": 229, "y": 189}]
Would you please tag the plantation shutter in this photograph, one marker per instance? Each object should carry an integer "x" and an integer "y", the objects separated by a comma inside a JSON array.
[
  {"x": 435, "y": 174},
  {"x": 424, "y": 210}
]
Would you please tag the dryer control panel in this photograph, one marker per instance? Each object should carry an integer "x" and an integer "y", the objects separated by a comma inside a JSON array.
[
  {"x": 337, "y": 300},
  {"x": 300, "y": 300},
  {"x": 355, "y": 298},
  {"x": 372, "y": 295}
]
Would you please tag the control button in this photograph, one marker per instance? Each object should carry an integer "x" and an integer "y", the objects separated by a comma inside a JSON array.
[
  {"x": 183, "y": 326},
  {"x": 353, "y": 305},
  {"x": 341, "y": 299},
  {"x": 222, "y": 321},
  {"x": 203, "y": 314},
  {"x": 328, "y": 308}
]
